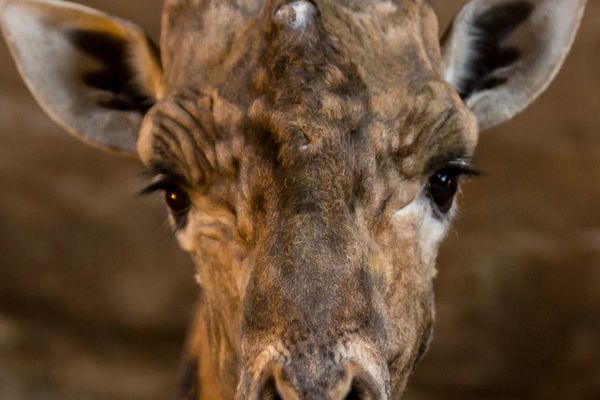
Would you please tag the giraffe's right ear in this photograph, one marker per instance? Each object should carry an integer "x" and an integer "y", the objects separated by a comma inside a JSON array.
[
  {"x": 96, "y": 75},
  {"x": 500, "y": 55}
]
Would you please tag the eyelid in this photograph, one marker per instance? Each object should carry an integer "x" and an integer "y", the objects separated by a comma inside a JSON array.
[
  {"x": 163, "y": 182},
  {"x": 157, "y": 171},
  {"x": 462, "y": 168},
  {"x": 459, "y": 162}
]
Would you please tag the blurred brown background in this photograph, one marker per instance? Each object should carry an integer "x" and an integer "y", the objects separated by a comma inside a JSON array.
[{"x": 95, "y": 296}]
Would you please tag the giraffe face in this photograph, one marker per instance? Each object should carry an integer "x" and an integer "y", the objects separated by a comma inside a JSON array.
[
  {"x": 313, "y": 198},
  {"x": 309, "y": 153}
]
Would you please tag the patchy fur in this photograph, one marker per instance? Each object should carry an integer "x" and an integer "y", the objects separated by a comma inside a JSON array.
[{"x": 298, "y": 153}]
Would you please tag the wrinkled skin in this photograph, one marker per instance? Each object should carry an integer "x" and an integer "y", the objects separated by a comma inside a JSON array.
[{"x": 307, "y": 163}]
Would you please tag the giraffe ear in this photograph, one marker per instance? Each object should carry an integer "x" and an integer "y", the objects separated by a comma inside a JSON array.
[
  {"x": 500, "y": 55},
  {"x": 94, "y": 74}
]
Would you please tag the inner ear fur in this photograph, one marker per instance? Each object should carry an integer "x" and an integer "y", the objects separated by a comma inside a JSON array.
[
  {"x": 95, "y": 74},
  {"x": 500, "y": 55}
]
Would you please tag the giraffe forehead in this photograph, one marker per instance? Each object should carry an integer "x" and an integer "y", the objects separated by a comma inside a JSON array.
[
  {"x": 306, "y": 77},
  {"x": 208, "y": 41}
]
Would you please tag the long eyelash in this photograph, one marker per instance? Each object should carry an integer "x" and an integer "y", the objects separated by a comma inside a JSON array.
[
  {"x": 154, "y": 187},
  {"x": 163, "y": 179},
  {"x": 463, "y": 167},
  {"x": 162, "y": 183},
  {"x": 467, "y": 171}
]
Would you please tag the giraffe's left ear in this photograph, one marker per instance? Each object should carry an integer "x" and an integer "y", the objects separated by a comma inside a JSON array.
[
  {"x": 95, "y": 74},
  {"x": 502, "y": 54}
]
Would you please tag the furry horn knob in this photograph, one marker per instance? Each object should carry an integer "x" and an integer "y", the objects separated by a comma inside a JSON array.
[{"x": 297, "y": 15}]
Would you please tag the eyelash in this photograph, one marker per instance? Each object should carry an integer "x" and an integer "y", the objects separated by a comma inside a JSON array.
[
  {"x": 463, "y": 170},
  {"x": 160, "y": 185}
]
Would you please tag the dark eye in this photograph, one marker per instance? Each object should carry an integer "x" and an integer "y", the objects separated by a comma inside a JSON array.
[
  {"x": 177, "y": 200},
  {"x": 442, "y": 188},
  {"x": 175, "y": 196}
]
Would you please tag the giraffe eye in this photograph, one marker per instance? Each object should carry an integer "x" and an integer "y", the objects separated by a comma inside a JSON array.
[
  {"x": 177, "y": 200},
  {"x": 442, "y": 188},
  {"x": 176, "y": 197}
]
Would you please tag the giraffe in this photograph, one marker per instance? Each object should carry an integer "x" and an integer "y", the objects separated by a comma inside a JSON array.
[{"x": 309, "y": 153}]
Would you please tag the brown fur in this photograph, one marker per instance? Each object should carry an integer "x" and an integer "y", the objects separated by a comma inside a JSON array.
[{"x": 298, "y": 147}]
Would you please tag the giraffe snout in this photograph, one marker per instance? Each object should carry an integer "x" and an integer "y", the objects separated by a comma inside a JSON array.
[{"x": 291, "y": 381}]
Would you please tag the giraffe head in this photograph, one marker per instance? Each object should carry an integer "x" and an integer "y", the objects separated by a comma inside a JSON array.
[{"x": 309, "y": 153}]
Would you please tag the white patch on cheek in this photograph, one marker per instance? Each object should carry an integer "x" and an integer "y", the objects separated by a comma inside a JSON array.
[
  {"x": 432, "y": 233},
  {"x": 186, "y": 237},
  {"x": 188, "y": 241},
  {"x": 418, "y": 218}
]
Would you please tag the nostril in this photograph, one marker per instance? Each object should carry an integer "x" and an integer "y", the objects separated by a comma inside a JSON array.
[
  {"x": 354, "y": 394},
  {"x": 270, "y": 391},
  {"x": 275, "y": 383},
  {"x": 360, "y": 390}
]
